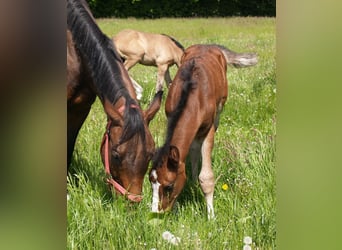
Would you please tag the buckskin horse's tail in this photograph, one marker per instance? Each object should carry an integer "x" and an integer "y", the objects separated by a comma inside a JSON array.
[{"x": 238, "y": 60}]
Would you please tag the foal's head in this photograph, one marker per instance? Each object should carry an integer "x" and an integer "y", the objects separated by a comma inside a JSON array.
[{"x": 167, "y": 178}]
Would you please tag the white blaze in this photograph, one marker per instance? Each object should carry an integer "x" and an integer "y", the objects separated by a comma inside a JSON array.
[{"x": 155, "y": 192}]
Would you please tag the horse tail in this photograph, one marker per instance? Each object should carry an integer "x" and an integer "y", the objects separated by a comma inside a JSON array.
[{"x": 238, "y": 60}]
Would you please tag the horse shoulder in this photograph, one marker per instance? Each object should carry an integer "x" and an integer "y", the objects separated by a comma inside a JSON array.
[{"x": 128, "y": 42}]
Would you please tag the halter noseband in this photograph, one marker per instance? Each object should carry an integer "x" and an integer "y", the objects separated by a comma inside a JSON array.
[{"x": 110, "y": 180}]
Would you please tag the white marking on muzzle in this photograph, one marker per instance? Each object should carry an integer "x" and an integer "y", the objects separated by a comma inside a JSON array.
[{"x": 155, "y": 192}]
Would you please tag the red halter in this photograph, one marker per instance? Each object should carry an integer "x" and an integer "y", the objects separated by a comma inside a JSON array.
[{"x": 110, "y": 180}]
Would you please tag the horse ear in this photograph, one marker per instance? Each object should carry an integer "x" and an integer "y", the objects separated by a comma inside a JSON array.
[
  {"x": 173, "y": 159},
  {"x": 110, "y": 111},
  {"x": 154, "y": 107}
]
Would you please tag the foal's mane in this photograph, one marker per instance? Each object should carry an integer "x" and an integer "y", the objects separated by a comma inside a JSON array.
[
  {"x": 188, "y": 84},
  {"x": 178, "y": 44},
  {"x": 103, "y": 61}
]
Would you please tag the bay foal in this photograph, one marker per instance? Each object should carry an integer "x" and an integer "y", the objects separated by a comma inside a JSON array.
[{"x": 195, "y": 100}]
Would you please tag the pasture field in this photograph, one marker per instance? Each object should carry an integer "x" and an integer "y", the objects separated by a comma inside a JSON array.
[{"x": 243, "y": 157}]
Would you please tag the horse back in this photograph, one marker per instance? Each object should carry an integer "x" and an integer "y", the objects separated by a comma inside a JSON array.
[
  {"x": 203, "y": 74},
  {"x": 210, "y": 86},
  {"x": 151, "y": 49}
]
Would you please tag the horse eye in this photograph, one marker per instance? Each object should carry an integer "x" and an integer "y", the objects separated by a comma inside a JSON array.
[{"x": 116, "y": 155}]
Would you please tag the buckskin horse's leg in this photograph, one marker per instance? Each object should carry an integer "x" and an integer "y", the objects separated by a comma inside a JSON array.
[
  {"x": 162, "y": 68},
  {"x": 129, "y": 63},
  {"x": 206, "y": 176},
  {"x": 138, "y": 89}
]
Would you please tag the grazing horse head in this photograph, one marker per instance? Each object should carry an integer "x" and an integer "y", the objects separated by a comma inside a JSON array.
[
  {"x": 94, "y": 68},
  {"x": 167, "y": 179},
  {"x": 193, "y": 106},
  {"x": 126, "y": 152}
]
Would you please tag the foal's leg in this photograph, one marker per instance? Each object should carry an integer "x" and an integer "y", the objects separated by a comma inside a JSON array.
[
  {"x": 194, "y": 154},
  {"x": 162, "y": 68},
  {"x": 206, "y": 176}
]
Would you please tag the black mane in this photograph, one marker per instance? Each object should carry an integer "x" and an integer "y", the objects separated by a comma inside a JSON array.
[
  {"x": 103, "y": 61},
  {"x": 178, "y": 44},
  {"x": 188, "y": 84}
]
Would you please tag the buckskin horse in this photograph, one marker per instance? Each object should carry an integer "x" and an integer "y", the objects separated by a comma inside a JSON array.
[
  {"x": 193, "y": 106},
  {"x": 149, "y": 49},
  {"x": 94, "y": 68}
]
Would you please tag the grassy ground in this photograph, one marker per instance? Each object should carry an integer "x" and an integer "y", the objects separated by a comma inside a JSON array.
[{"x": 243, "y": 157}]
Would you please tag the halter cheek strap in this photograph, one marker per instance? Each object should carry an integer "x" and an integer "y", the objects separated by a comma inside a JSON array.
[{"x": 110, "y": 180}]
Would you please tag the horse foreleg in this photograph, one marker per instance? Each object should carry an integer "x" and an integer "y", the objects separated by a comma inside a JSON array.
[
  {"x": 160, "y": 76},
  {"x": 194, "y": 154},
  {"x": 78, "y": 110},
  {"x": 137, "y": 87},
  {"x": 206, "y": 176},
  {"x": 129, "y": 63},
  {"x": 75, "y": 121},
  {"x": 167, "y": 77}
]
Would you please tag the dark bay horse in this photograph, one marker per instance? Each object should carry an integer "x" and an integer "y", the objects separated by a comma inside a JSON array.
[
  {"x": 193, "y": 106},
  {"x": 94, "y": 68},
  {"x": 149, "y": 49}
]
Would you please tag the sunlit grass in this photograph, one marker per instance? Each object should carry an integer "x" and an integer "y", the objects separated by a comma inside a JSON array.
[{"x": 243, "y": 157}]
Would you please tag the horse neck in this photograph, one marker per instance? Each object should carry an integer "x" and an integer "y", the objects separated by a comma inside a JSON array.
[
  {"x": 183, "y": 136},
  {"x": 110, "y": 79},
  {"x": 127, "y": 82}
]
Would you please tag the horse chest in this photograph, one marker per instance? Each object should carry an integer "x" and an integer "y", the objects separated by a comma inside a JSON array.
[{"x": 79, "y": 96}]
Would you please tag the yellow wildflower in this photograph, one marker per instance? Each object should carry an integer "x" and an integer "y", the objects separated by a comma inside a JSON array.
[{"x": 225, "y": 187}]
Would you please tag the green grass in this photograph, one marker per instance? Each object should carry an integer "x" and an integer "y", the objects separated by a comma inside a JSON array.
[{"x": 243, "y": 157}]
